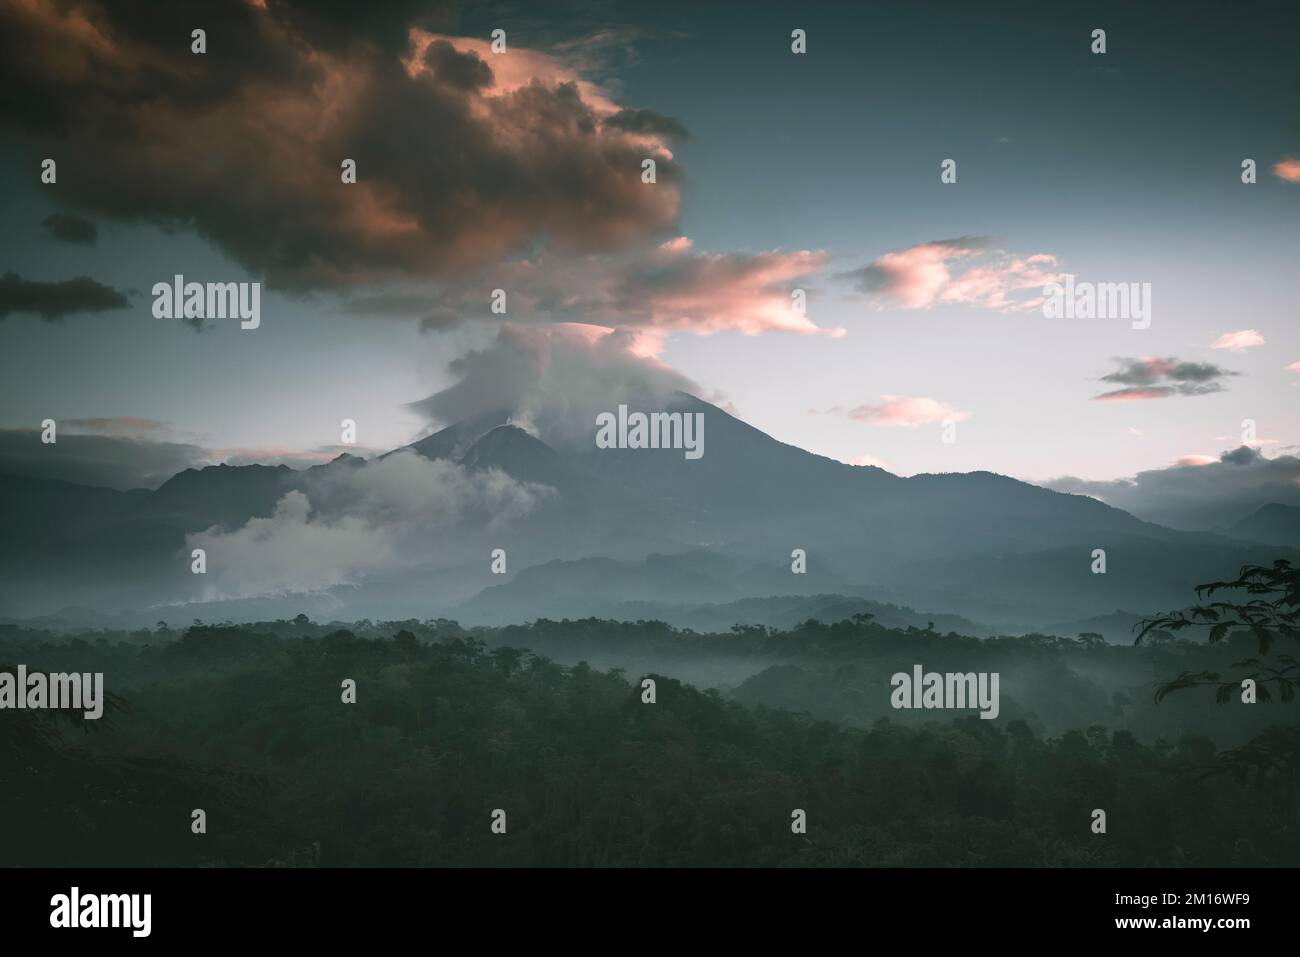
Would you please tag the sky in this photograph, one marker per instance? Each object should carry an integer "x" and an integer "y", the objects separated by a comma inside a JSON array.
[{"x": 776, "y": 171}]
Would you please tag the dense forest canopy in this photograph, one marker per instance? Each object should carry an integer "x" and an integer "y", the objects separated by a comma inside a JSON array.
[{"x": 548, "y": 722}]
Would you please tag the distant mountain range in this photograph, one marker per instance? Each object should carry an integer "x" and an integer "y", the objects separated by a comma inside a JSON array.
[
  {"x": 650, "y": 533},
  {"x": 1273, "y": 523}
]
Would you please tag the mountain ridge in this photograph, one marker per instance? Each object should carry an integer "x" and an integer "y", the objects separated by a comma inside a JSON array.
[{"x": 978, "y": 544}]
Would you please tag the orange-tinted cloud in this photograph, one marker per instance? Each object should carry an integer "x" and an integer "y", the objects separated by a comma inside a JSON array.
[
  {"x": 870, "y": 460},
  {"x": 666, "y": 287},
  {"x": 463, "y": 157},
  {"x": 1238, "y": 341},
  {"x": 969, "y": 271},
  {"x": 907, "y": 412},
  {"x": 1288, "y": 169}
]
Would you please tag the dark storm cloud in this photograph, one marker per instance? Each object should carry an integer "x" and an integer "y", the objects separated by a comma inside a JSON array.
[
  {"x": 110, "y": 460},
  {"x": 1244, "y": 455},
  {"x": 402, "y": 305},
  {"x": 440, "y": 319},
  {"x": 1210, "y": 496},
  {"x": 428, "y": 308},
  {"x": 463, "y": 71},
  {"x": 60, "y": 61},
  {"x": 463, "y": 158},
  {"x": 69, "y": 228},
  {"x": 1151, "y": 378},
  {"x": 648, "y": 121},
  {"x": 54, "y": 300},
  {"x": 338, "y": 25}
]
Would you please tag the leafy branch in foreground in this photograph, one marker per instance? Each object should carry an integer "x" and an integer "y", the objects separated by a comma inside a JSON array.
[
  {"x": 1272, "y": 612},
  {"x": 1286, "y": 678},
  {"x": 37, "y": 731}
]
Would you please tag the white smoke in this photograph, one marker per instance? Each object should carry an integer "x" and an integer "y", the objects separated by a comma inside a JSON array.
[
  {"x": 554, "y": 380},
  {"x": 356, "y": 521}
]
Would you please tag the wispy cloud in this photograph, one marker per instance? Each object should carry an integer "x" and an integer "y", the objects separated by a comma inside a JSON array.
[
  {"x": 907, "y": 412},
  {"x": 1238, "y": 341},
  {"x": 69, "y": 228},
  {"x": 121, "y": 426},
  {"x": 1154, "y": 378},
  {"x": 669, "y": 286},
  {"x": 970, "y": 270},
  {"x": 102, "y": 452},
  {"x": 52, "y": 301},
  {"x": 1288, "y": 169}
]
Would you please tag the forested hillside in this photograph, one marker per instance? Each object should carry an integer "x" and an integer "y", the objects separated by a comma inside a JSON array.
[{"x": 249, "y": 724}]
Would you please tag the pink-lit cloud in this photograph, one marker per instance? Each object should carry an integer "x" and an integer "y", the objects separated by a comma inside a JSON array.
[
  {"x": 1252, "y": 442},
  {"x": 1238, "y": 341},
  {"x": 1288, "y": 169},
  {"x": 907, "y": 412},
  {"x": 1133, "y": 395},
  {"x": 870, "y": 460},
  {"x": 665, "y": 288},
  {"x": 969, "y": 271}
]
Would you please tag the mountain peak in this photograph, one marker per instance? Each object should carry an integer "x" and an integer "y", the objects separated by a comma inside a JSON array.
[
  {"x": 1273, "y": 524},
  {"x": 453, "y": 441},
  {"x": 520, "y": 455}
]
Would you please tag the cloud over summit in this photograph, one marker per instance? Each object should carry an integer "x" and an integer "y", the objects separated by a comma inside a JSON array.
[{"x": 555, "y": 379}]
